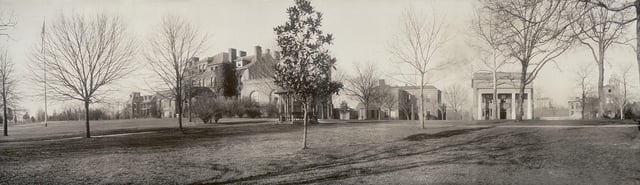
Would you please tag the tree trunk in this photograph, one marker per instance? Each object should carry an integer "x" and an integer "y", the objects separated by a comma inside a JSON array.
[
  {"x": 520, "y": 106},
  {"x": 4, "y": 103},
  {"x": 413, "y": 114},
  {"x": 366, "y": 111},
  {"x": 601, "y": 96},
  {"x": 86, "y": 118},
  {"x": 179, "y": 107},
  {"x": 584, "y": 97},
  {"x": 291, "y": 110},
  {"x": 637, "y": 3},
  {"x": 304, "y": 122},
  {"x": 622, "y": 112},
  {"x": 189, "y": 106},
  {"x": 422, "y": 112},
  {"x": 495, "y": 95}
]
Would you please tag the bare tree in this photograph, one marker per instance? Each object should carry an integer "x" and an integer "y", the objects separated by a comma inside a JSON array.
[
  {"x": 417, "y": 45},
  {"x": 583, "y": 74},
  {"x": 170, "y": 50},
  {"x": 456, "y": 97},
  {"x": 623, "y": 6},
  {"x": 362, "y": 87},
  {"x": 83, "y": 55},
  {"x": 598, "y": 30},
  {"x": 6, "y": 65},
  {"x": 488, "y": 44},
  {"x": 534, "y": 33},
  {"x": 7, "y": 88},
  {"x": 623, "y": 83},
  {"x": 387, "y": 98},
  {"x": 406, "y": 108}
]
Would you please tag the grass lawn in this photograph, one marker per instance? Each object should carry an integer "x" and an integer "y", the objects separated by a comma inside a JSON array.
[{"x": 263, "y": 152}]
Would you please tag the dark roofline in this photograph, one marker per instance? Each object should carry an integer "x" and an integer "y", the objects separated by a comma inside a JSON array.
[{"x": 415, "y": 87}]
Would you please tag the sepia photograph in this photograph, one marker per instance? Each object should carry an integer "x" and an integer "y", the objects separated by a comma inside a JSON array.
[{"x": 320, "y": 92}]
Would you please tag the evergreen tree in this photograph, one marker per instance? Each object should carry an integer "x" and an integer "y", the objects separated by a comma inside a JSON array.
[{"x": 304, "y": 70}]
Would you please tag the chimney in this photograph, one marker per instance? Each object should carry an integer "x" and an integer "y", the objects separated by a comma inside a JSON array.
[
  {"x": 232, "y": 54},
  {"x": 225, "y": 57},
  {"x": 243, "y": 53},
  {"x": 268, "y": 51},
  {"x": 258, "y": 51},
  {"x": 381, "y": 82}
]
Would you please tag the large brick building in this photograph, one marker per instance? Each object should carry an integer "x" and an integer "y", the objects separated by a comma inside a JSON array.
[
  {"x": 253, "y": 73},
  {"x": 231, "y": 73}
]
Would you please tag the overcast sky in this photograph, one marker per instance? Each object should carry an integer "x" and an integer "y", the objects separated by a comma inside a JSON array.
[{"x": 362, "y": 30}]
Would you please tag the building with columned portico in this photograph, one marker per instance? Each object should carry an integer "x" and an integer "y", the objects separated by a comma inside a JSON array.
[{"x": 508, "y": 89}]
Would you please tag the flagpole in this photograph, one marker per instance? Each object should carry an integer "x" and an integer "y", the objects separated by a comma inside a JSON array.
[{"x": 44, "y": 69}]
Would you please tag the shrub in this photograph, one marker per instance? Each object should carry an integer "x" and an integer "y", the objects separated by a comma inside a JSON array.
[
  {"x": 208, "y": 108},
  {"x": 272, "y": 110}
]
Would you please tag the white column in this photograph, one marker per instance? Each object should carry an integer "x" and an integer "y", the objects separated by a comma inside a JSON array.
[
  {"x": 480, "y": 106},
  {"x": 529, "y": 106},
  {"x": 513, "y": 105}
]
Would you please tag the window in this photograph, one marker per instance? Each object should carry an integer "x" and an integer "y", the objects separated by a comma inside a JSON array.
[{"x": 609, "y": 90}]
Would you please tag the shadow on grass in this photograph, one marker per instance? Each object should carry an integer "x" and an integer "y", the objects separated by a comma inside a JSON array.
[
  {"x": 233, "y": 122},
  {"x": 157, "y": 140},
  {"x": 443, "y": 134},
  {"x": 479, "y": 149}
]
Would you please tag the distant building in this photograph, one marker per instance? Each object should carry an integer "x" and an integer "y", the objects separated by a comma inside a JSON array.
[
  {"x": 159, "y": 105},
  {"x": 508, "y": 85},
  {"x": 611, "y": 107},
  {"x": 545, "y": 108},
  {"x": 611, "y": 93},
  {"x": 406, "y": 104},
  {"x": 590, "y": 108}
]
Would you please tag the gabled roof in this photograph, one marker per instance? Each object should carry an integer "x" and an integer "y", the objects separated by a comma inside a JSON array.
[
  {"x": 166, "y": 94},
  {"x": 499, "y": 75},
  {"x": 250, "y": 59},
  {"x": 218, "y": 58}
]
